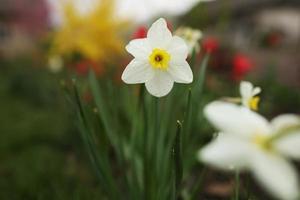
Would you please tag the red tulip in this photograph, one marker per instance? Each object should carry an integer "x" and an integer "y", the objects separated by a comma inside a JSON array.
[{"x": 242, "y": 64}]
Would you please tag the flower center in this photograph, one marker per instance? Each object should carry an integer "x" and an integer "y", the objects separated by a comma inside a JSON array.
[
  {"x": 262, "y": 141},
  {"x": 159, "y": 59},
  {"x": 253, "y": 103}
]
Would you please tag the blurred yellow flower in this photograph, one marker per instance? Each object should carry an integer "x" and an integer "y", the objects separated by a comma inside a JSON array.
[{"x": 94, "y": 35}]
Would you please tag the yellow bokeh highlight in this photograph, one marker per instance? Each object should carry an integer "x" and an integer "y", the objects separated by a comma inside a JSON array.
[{"x": 94, "y": 35}]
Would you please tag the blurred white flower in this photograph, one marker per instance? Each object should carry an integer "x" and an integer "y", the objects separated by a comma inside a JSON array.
[
  {"x": 159, "y": 60},
  {"x": 135, "y": 10},
  {"x": 55, "y": 64},
  {"x": 144, "y": 10},
  {"x": 249, "y": 142},
  {"x": 248, "y": 94},
  {"x": 191, "y": 37}
]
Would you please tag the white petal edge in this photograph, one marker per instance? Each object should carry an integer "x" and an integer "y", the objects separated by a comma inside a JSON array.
[
  {"x": 233, "y": 119},
  {"x": 160, "y": 85},
  {"x": 139, "y": 48},
  {"x": 246, "y": 89},
  {"x": 256, "y": 91},
  {"x": 289, "y": 145},
  {"x": 159, "y": 35},
  {"x": 137, "y": 71},
  {"x": 178, "y": 49},
  {"x": 276, "y": 175},
  {"x": 181, "y": 72},
  {"x": 284, "y": 121},
  {"x": 226, "y": 152}
]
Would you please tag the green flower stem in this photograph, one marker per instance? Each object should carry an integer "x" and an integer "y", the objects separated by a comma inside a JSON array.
[
  {"x": 178, "y": 159},
  {"x": 151, "y": 133},
  {"x": 193, "y": 59},
  {"x": 187, "y": 119},
  {"x": 146, "y": 146},
  {"x": 154, "y": 145},
  {"x": 237, "y": 185}
]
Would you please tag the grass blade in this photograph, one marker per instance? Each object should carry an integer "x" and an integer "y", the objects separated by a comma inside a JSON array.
[
  {"x": 100, "y": 163},
  {"x": 199, "y": 83},
  {"x": 104, "y": 113},
  {"x": 178, "y": 159}
]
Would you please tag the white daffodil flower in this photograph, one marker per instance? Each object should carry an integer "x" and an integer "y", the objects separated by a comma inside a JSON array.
[
  {"x": 191, "y": 37},
  {"x": 249, "y": 142},
  {"x": 248, "y": 94},
  {"x": 159, "y": 60}
]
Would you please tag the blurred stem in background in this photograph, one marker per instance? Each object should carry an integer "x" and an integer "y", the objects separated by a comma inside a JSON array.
[{"x": 237, "y": 184}]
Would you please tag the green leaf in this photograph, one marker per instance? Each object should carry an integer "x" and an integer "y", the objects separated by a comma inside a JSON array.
[
  {"x": 104, "y": 114},
  {"x": 200, "y": 78},
  {"x": 177, "y": 154},
  {"x": 98, "y": 159},
  {"x": 187, "y": 119}
]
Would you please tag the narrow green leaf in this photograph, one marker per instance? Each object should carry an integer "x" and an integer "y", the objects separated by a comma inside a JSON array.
[
  {"x": 187, "y": 118},
  {"x": 178, "y": 158},
  {"x": 199, "y": 83},
  {"x": 100, "y": 165},
  {"x": 104, "y": 113},
  {"x": 193, "y": 110},
  {"x": 193, "y": 59}
]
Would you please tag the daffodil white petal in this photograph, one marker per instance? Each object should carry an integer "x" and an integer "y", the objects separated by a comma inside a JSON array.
[
  {"x": 246, "y": 89},
  {"x": 284, "y": 121},
  {"x": 178, "y": 49},
  {"x": 233, "y": 119},
  {"x": 276, "y": 175},
  {"x": 289, "y": 145},
  {"x": 256, "y": 91},
  {"x": 181, "y": 72},
  {"x": 139, "y": 48},
  {"x": 137, "y": 71},
  {"x": 226, "y": 152},
  {"x": 160, "y": 85},
  {"x": 159, "y": 35}
]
